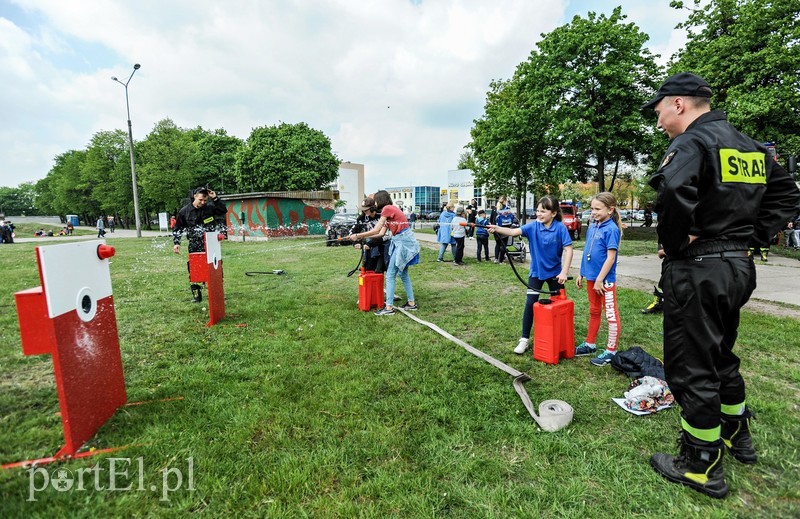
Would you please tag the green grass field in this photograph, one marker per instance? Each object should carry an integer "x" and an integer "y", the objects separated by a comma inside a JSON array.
[{"x": 299, "y": 405}]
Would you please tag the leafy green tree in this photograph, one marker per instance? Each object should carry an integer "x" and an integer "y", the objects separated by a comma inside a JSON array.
[
  {"x": 286, "y": 157},
  {"x": 595, "y": 73},
  {"x": 217, "y": 154},
  {"x": 467, "y": 161},
  {"x": 507, "y": 142},
  {"x": 106, "y": 171},
  {"x": 749, "y": 52},
  {"x": 168, "y": 167},
  {"x": 65, "y": 191},
  {"x": 20, "y": 200},
  {"x": 570, "y": 112}
]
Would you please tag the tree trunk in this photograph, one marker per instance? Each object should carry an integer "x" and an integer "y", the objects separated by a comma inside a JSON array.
[
  {"x": 614, "y": 178},
  {"x": 601, "y": 174}
]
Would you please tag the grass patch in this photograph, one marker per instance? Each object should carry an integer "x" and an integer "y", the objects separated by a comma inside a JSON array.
[{"x": 300, "y": 405}]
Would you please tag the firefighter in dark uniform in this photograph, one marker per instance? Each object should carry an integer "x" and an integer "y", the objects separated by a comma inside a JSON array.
[
  {"x": 717, "y": 190},
  {"x": 196, "y": 218}
]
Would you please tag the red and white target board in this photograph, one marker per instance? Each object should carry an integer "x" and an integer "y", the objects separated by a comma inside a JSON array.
[
  {"x": 71, "y": 316},
  {"x": 206, "y": 267}
]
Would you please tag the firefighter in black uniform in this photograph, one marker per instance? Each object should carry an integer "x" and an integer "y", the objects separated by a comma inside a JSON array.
[
  {"x": 717, "y": 190},
  {"x": 195, "y": 219}
]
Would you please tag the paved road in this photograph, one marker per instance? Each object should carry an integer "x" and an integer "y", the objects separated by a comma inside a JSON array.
[
  {"x": 778, "y": 280},
  {"x": 118, "y": 233}
]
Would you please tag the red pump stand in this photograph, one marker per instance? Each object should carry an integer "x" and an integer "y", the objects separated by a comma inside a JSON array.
[
  {"x": 206, "y": 267},
  {"x": 71, "y": 316}
]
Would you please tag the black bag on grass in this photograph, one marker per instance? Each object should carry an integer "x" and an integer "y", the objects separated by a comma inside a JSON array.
[{"x": 637, "y": 363}]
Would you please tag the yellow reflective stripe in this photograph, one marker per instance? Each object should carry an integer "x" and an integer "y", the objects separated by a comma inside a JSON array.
[
  {"x": 732, "y": 410},
  {"x": 706, "y": 435},
  {"x": 209, "y": 219},
  {"x": 697, "y": 478},
  {"x": 702, "y": 477},
  {"x": 745, "y": 167}
]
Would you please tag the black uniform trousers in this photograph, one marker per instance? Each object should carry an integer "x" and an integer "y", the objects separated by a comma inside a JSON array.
[{"x": 702, "y": 302}]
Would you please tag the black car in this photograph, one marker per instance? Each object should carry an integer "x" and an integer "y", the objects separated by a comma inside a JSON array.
[{"x": 339, "y": 227}]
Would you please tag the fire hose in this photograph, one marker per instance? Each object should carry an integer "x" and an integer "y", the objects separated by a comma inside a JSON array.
[{"x": 553, "y": 414}]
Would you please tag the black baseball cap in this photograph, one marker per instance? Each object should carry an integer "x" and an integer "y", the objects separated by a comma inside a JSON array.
[
  {"x": 200, "y": 190},
  {"x": 682, "y": 84}
]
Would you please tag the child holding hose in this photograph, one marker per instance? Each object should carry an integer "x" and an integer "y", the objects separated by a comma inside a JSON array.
[
  {"x": 551, "y": 255},
  {"x": 403, "y": 250}
]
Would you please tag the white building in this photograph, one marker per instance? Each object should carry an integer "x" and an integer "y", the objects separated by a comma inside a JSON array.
[{"x": 350, "y": 184}]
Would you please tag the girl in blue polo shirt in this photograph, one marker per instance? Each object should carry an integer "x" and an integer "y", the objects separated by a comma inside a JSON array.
[
  {"x": 599, "y": 267},
  {"x": 551, "y": 255}
]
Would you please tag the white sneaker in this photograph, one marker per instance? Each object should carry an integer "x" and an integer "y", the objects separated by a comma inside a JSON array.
[{"x": 522, "y": 347}]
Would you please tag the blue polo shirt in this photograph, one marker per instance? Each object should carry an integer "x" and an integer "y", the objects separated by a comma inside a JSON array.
[
  {"x": 546, "y": 247},
  {"x": 600, "y": 238}
]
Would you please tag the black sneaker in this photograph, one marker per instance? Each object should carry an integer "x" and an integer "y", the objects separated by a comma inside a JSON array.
[
  {"x": 197, "y": 294},
  {"x": 409, "y": 306},
  {"x": 385, "y": 311}
]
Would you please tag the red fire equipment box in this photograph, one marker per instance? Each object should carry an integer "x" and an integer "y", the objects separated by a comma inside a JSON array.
[
  {"x": 370, "y": 290},
  {"x": 554, "y": 329}
]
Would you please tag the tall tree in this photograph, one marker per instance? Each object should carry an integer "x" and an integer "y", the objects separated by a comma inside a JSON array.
[
  {"x": 107, "y": 172},
  {"x": 467, "y": 161},
  {"x": 749, "y": 52},
  {"x": 20, "y": 200},
  {"x": 217, "y": 153},
  {"x": 168, "y": 167},
  {"x": 65, "y": 190},
  {"x": 570, "y": 111},
  {"x": 286, "y": 157},
  {"x": 596, "y": 72}
]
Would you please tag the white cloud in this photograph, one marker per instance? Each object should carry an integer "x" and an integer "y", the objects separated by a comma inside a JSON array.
[{"x": 395, "y": 85}]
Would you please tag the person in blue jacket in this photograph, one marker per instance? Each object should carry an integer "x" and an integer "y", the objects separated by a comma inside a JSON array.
[
  {"x": 443, "y": 233},
  {"x": 505, "y": 218}
]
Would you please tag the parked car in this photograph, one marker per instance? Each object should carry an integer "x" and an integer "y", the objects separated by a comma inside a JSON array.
[
  {"x": 587, "y": 216},
  {"x": 571, "y": 220},
  {"x": 433, "y": 215},
  {"x": 339, "y": 227}
]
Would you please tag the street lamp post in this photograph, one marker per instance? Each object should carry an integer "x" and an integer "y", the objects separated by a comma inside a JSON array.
[{"x": 130, "y": 146}]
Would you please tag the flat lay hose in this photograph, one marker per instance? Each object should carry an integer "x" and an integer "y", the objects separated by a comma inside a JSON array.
[{"x": 553, "y": 414}]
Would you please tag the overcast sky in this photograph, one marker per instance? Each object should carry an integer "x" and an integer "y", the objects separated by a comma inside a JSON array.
[{"x": 395, "y": 84}]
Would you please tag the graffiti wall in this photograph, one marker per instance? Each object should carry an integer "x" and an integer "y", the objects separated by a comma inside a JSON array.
[{"x": 272, "y": 217}]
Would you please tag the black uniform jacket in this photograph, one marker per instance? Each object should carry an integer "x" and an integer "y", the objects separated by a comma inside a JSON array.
[
  {"x": 195, "y": 221},
  {"x": 719, "y": 184}
]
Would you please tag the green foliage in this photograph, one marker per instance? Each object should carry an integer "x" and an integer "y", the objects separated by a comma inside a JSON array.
[
  {"x": 107, "y": 172},
  {"x": 467, "y": 161},
  {"x": 749, "y": 52},
  {"x": 570, "y": 109},
  {"x": 168, "y": 167},
  {"x": 20, "y": 200},
  {"x": 286, "y": 157},
  {"x": 217, "y": 153},
  {"x": 65, "y": 190}
]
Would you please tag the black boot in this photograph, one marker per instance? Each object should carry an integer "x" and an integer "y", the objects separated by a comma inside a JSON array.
[
  {"x": 699, "y": 465},
  {"x": 657, "y": 304},
  {"x": 736, "y": 437},
  {"x": 197, "y": 293}
]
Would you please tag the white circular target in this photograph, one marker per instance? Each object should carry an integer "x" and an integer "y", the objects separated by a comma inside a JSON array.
[{"x": 86, "y": 304}]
